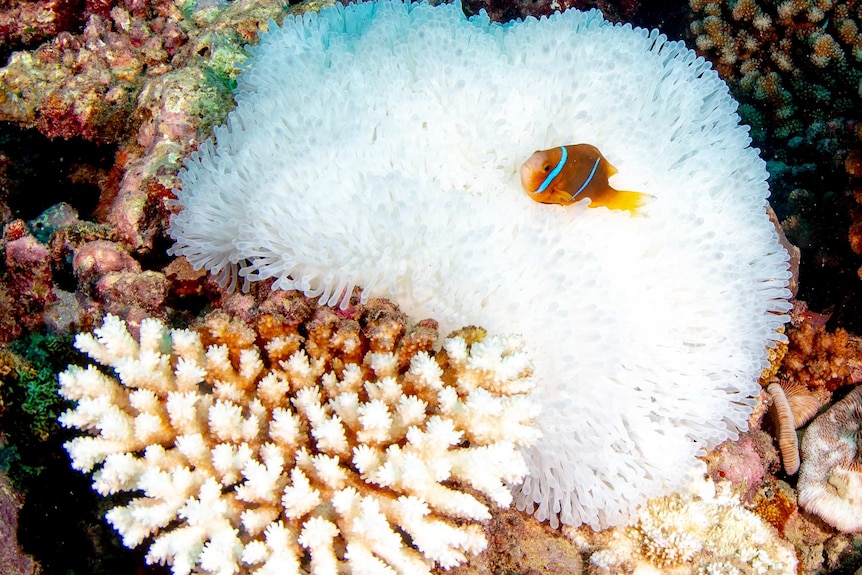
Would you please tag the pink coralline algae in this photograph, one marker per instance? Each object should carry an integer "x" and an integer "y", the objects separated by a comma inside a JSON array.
[
  {"x": 745, "y": 463},
  {"x": 133, "y": 296},
  {"x": 13, "y": 560},
  {"x": 99, "y": 257},
  {"x": 23, "y": 23},
  {"x": 28, "y": 280},
  {"x": 86, "y": 84},
  {"x": 108, "y": 278}
]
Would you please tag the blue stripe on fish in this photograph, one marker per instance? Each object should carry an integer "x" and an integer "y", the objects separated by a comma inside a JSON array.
[
  {"x": 587, "y": 182},
  {"x": 556, "y": 171}
]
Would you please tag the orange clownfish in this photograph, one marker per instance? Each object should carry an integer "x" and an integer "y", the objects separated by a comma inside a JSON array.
[{"x": 567, "y": 174}]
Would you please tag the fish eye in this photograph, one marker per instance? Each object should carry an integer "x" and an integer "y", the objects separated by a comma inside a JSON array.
[{"x": 546, "y": 168}]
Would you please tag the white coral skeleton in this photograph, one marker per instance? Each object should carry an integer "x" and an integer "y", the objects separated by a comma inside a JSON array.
[{"x": 272, "y": 466}]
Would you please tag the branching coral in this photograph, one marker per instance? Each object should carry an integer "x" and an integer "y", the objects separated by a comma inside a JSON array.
[
  {"x": 821, "y": 359},
  {"x": 261, "y": 459},
  {"x": 770, "y": 48}
]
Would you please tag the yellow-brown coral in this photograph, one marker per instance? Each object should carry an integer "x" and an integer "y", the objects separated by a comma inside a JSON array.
[
  {"x": 820, "y": 359},
  {"x": 766, "y": 47},
  {"x": 775, "y": 502}
]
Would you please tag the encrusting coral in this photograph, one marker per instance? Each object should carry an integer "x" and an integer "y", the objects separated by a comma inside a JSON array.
[
  {"x": 261, "y": 452},
  {"x": 830, "y": 479},
  {"x": 704, "y": 532}
]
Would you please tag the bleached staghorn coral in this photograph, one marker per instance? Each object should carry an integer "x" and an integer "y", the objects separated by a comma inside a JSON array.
[
  {"x": 264, "y": 462},
  {"x": 378, "y": 144}
]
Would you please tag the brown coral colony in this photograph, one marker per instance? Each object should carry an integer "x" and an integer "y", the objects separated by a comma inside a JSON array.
[{"x": 334, "y": 337}]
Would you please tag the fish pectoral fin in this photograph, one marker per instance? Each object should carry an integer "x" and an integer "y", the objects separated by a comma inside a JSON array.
[{"x": 619, "y": 200}]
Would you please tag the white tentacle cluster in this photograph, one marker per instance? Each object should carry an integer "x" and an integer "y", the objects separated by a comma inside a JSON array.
[{"x": 378, "y": 144}]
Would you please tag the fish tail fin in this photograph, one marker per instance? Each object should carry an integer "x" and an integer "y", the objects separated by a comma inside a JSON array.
[{"x": 620, "y": 200}]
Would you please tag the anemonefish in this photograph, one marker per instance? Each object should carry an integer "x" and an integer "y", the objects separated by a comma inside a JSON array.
[{"x": 567, "y": 174}]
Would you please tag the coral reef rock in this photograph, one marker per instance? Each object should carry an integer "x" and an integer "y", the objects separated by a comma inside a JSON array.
[
  {"x": 152, "y": 77},
  {"x": 12, "y": 559},
  {"x": 744, "y": 463},
  {"x": 518, "y": 543},
  {"x": 264, "y": 458},
  {"x": 378, "y": 144},
  {"x": 830, "y": 479},
  {"x": 26, "y": 283}
]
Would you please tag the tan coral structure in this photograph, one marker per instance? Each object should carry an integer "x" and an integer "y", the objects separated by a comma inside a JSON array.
[
  {"x": 791, "y": 407},
  {"x": 287, "y": 456},
  {"x": 830, "y": 479},
  {"x": 820, "y": 359},
  {"x": 764, "y": 46}
]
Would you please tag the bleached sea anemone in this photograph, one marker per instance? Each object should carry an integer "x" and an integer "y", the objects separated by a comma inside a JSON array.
[{"x": 379, "y": 145}]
